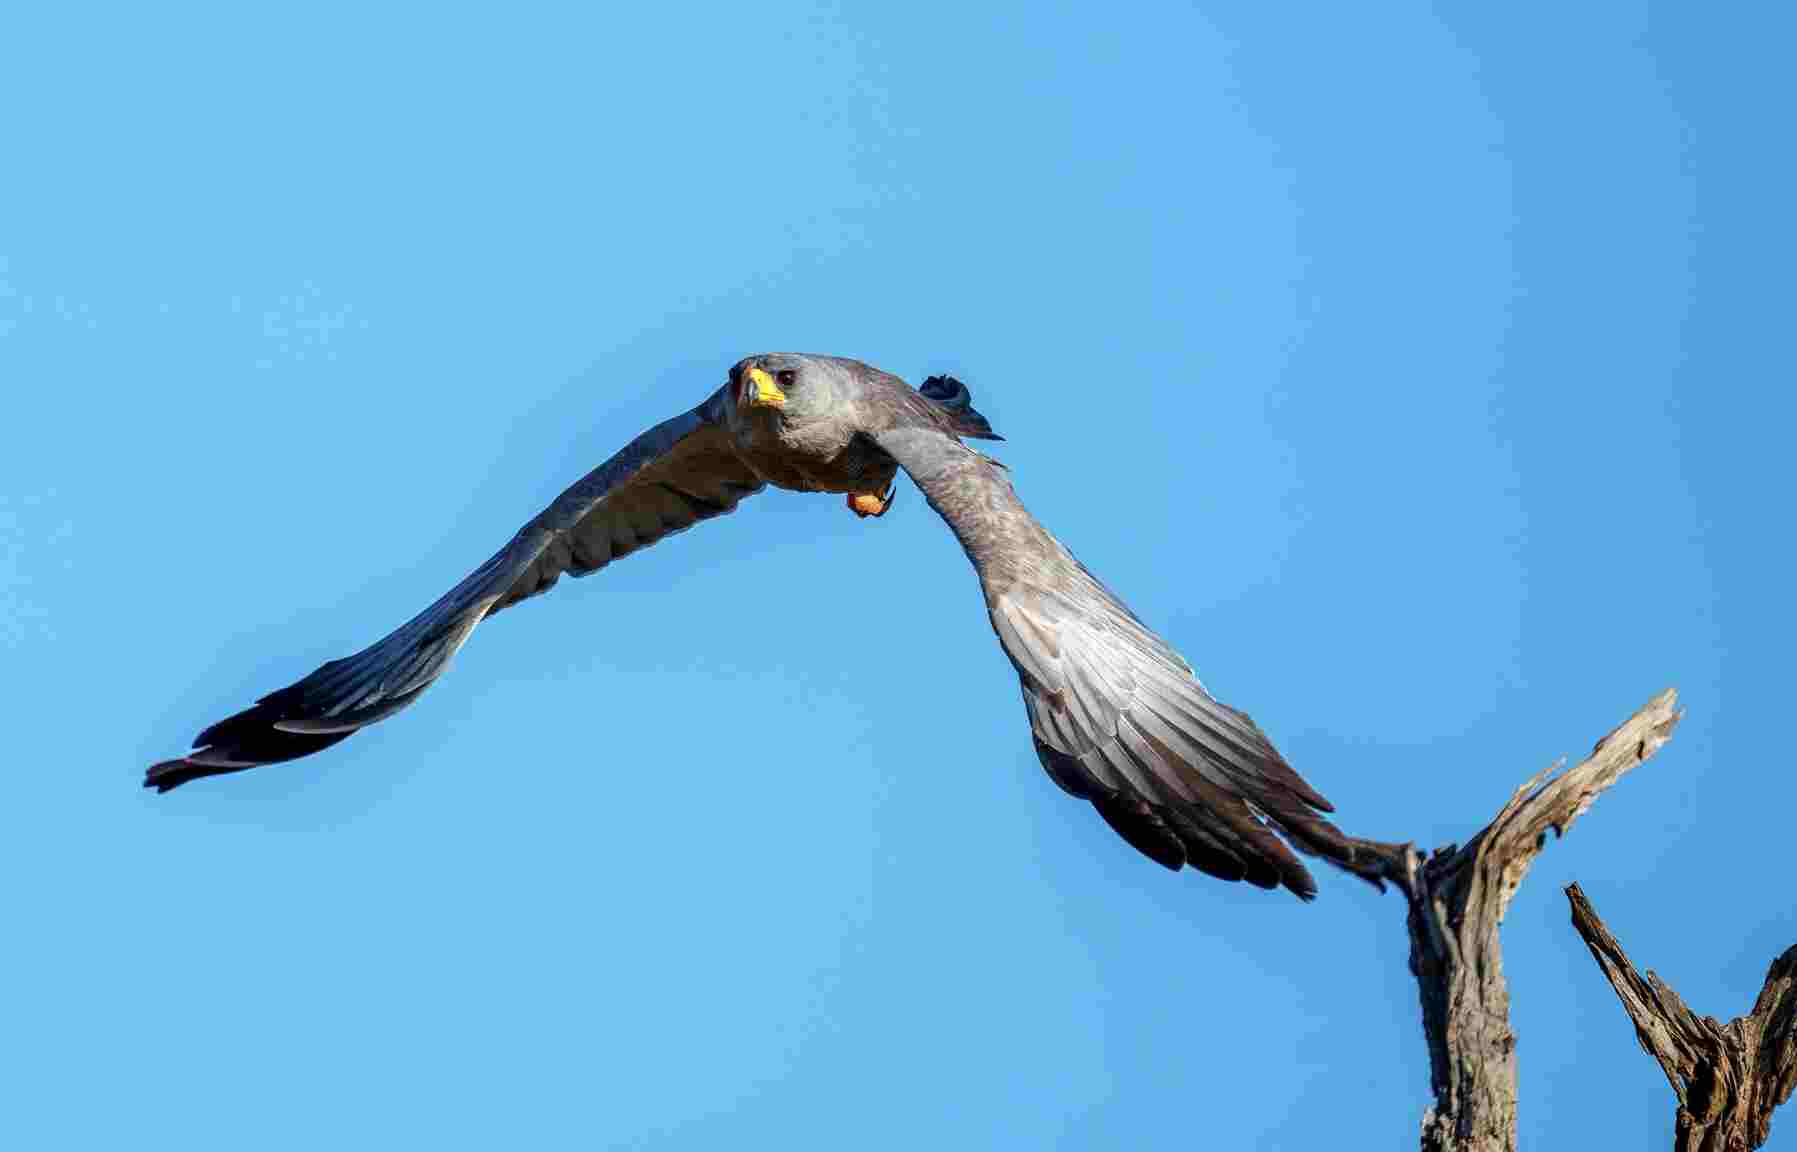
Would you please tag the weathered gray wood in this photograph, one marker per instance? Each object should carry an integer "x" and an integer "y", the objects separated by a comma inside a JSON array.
[
  {"x": 1728, "y": 1077},
  {"x": 1457, "y": 899}
]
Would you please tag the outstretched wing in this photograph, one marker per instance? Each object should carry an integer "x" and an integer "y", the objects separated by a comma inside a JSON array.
[
  {"x": 1117, "y": 715},
  {"x": 671, "y": 477}
]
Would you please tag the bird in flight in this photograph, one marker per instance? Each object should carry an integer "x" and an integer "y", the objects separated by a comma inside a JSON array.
[{"x": 1117, "y": 717}]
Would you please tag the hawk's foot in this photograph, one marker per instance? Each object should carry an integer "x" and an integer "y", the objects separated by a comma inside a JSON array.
[{"x": 865, "y": 504}]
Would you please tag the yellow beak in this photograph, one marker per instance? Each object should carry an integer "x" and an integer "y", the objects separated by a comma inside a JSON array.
[{"x": 763, "y": 392}]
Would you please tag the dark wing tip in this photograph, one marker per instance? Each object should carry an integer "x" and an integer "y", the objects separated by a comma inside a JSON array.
[
  {"x": 1175, "y": 843},
  {"x": 237, "y": 743},
  {"x": 1142, "y": 829},
  {"x": 166, "y": 775},
  {"x": 171, "y": 774}
]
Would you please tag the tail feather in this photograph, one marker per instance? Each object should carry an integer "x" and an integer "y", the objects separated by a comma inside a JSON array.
[{"x": 952, "y": 396}]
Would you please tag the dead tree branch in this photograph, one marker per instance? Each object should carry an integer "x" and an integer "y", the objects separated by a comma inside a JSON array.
[
  {"x": 1728, "y": 1077},
  {"x": 1457, "y": 899}
]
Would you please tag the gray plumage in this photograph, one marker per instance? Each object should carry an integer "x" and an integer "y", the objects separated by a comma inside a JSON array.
[{"x": 1117, "y": 717}]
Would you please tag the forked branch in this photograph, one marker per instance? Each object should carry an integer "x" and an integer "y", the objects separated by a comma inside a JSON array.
[
  {"x": 1728, "y": 1077},
  {"x": 1457, "y": 899}
]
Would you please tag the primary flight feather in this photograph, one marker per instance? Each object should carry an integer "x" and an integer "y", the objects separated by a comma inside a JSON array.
[{"x": 1116, "y": 715}]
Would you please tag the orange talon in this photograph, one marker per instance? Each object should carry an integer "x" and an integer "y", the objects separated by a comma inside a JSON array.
[{"x": 865, "y": 504}]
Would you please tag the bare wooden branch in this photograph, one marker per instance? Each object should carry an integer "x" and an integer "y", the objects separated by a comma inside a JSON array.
[
  {"x": 1457, "y": 899},
  {"x": 1728, "y": 1077}
]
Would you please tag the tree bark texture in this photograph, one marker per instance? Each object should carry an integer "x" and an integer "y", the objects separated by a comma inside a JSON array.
[
  {"x": 1728, "y": 1077},
  {"x": 1457, "y": 899}
]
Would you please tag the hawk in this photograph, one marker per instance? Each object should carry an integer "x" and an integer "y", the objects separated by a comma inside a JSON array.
[{"x": 1116, "y": 715}]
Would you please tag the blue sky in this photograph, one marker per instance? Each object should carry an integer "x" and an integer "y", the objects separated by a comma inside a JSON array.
[{"x": 1420, "y": 375}]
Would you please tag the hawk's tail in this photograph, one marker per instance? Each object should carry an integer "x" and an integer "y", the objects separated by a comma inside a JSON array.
[{"x": 952, "y": 396}]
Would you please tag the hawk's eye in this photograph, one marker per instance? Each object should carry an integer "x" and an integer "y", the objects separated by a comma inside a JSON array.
[{"x": 786, "y": 377}]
